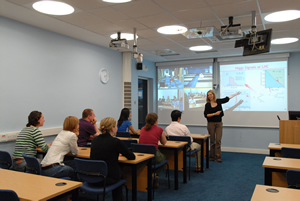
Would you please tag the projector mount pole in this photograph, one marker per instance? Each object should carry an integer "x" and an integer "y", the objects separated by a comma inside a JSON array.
[
  {"x": 134, "y": 41},
  {"x": 119, "y": 36},
  {"x": 253, "y": 27}
]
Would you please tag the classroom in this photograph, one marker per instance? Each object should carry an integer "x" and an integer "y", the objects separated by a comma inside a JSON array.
[{"x": 57, "y": 72}]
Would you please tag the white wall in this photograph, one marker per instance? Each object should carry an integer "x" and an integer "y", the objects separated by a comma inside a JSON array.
[{"x": 55, "y": 74}]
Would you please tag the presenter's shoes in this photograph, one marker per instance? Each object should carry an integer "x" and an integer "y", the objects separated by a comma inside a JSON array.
[{"x": 219, "y": 160}]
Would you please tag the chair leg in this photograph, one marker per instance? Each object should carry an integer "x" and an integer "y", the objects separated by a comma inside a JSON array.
[
  {"x": 168, "y": 175},
  {"x": 126, "y": 192},
  {"x": 189, "y": 166}
]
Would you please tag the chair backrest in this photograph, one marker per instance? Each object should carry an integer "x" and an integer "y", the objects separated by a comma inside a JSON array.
[
  {"x": 290, "y": 152},
  {"x": 128, "y": 142},
  {"x": 8, "y": 195},
  {"x": 144, "y": 148},
  {"x": 180, "y": 138},
  {"x": 5, "y": 160},
  {"x": 123, "y": 134},
  {"x": 91, "y": 171},
  {"x": 33, "y": 166},
  {"x": 293, "y": 178}
]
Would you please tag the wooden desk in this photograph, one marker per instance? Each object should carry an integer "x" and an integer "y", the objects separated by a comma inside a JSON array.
[
  {"x": 36, "y": 187},
  {"x": 275, "y": 148},
  {"x": 275, "y": 170},
  {"x": 260, "y": 194},
  {"x": 140, "y": 171},
  {"x": 203, "y": 140},
  {"x": 174, "y": 150}
]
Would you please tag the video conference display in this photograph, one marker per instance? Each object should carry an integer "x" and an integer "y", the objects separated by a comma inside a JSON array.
[{"x": 184, "y": 89}]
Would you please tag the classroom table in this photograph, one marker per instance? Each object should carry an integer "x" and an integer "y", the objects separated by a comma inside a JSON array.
[
  {"x": 139, "y": 171},
  {"x": 173, "y": 150},
  {"x": 261, "y": 194},
  {"x": 275, "y": 148},
  {"x": 203, "y": 139},
  {"x": 36, "y": 187},
  {"x": 275, "y": 170}
]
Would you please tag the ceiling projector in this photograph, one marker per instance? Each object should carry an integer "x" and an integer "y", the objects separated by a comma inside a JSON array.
[
  {"x": 232, "y": 33},
  {"x": 118, "y": 44}
]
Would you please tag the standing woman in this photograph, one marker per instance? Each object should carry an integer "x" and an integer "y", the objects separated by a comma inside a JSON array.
[
  {"x": 65, "y": 142},
  {"x": 213, "y": 113},
  {"x": 151, "y": 134},
  {"x": 124, "y": 125},
  {"x": 28, "y": 140},
  {"x": 107, "y": 148}
]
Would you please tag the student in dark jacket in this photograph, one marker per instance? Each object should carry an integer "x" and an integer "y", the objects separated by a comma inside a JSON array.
[{"x": 108, "y": 148}]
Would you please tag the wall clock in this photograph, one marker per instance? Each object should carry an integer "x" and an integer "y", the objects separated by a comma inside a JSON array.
[{"x": 104, "y": 76}]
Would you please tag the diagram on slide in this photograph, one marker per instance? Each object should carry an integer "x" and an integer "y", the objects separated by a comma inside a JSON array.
[
  {"x": 233, "y": 78},
  {"x": 241, "y": 101},
  {"x": 274, "y": 78}
]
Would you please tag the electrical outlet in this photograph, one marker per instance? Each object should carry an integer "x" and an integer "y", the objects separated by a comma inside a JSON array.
[{"x": 3, "y": 138}]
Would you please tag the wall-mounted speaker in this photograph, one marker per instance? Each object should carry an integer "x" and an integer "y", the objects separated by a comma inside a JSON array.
[{"x": 139, "y": 66}]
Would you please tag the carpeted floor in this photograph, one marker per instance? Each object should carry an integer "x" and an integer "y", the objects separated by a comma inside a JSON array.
[{"x": 232, "y": 180}]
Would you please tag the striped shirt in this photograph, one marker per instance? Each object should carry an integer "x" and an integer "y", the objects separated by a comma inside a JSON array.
[{"x": 28, "y": 140}]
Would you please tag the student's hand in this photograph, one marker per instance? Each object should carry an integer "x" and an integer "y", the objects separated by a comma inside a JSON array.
[
  {"x": 94, "y": 121},
  {"x": 120, "y": 154}
]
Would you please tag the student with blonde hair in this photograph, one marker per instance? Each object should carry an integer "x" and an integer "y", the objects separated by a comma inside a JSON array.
[
  {"x": 213, "y": 112},
  {"x": 108, "y": 148},
  {"x": 65, "y": 142}
]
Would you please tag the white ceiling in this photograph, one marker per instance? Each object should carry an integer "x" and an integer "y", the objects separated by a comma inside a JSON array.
[{"x": 94, "y": 21}]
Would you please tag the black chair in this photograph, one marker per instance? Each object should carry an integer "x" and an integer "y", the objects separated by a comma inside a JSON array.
[
  {"x": 92, "y": 172},
  {"x": 123, "y": 134},
  {"x": 151, "y": 149},
  {"x": 8, "y": 195},
  {"x": 293, "y": 178},
  {"x": 34, "y": 167},
  {"x": 290, "y": 152},
  {"x": 5, "y": 160},
  {"x": 128, "y": 143},
  {"x": 190, "y": 152}
]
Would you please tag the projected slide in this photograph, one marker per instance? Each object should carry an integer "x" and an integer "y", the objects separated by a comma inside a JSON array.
[{"x": 263, "y": 86}]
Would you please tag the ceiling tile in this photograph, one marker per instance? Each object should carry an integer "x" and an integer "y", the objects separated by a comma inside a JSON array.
[
  {"x": 137, "y": 9},
  {"x": 86, "y": 4},
  {"x": 130, "y": 24},
  {"x": 148, "y": 33},
  {"x": 194, "y": 15},
  {"x": 81, "y": 19},
  {"x": 235, "y": 9},
  {"x": 175, "y": 5},
  {"x": 156, "y": 21},
  {"x": 284, "y": 26},
  {"x": 109, "y": 14},
  {"x": 160, "y": 39},
  {"x": 105, "y": 29},
  {"x": 193, "y": 42},
  {"x": 222, "y": 2},
  {"x": 151, "y": 47},
  {"x": 278, "y": 5}
]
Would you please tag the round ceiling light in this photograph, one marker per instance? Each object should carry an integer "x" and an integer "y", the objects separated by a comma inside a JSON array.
[
  {"x": 280, "y": 41},
  {"x": 173, "y": 29},
  {"x": 201, "y": 48},
  {"x": 53, "y": 7},
  {"x": 116, "y": 1},
  {"x": 127, "y": 36},
  {"x": 283, "y": 16}
]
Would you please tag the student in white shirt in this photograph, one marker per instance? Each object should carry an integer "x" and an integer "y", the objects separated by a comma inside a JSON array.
[
  {"x": 177, "y": 129},
  {"x": 65, "y": 142}
]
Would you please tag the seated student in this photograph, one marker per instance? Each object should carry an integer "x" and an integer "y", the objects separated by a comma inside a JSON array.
[
  {"x": 87, "y": 127},
  {"x": 177, "y": 129},
  {"x": 106, "y": 147},
  {"x": 151, "y": 134},
  {"x": 65, "y": 142},
  {"x": 124, "y": 125},
  {"x": 28, "y": 140}
]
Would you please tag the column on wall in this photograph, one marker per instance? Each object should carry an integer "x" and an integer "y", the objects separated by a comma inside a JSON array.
[{"x": 127, "y": 80}]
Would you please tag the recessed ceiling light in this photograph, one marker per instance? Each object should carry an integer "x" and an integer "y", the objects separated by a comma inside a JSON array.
[
  {"x": 127, "y": 36},
  {"x": 173, "y": 29},
  {"x": 280, "y": 41},
  {"x": 283, "y": 16},
  {"x": 53, "y": 7},
  {"x": 116, "y": 1},
  {"x": 201, "y": 48}
]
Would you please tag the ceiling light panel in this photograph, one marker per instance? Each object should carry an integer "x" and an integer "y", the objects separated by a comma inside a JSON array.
[
  {"x": 53, "y": 7},
  {"x": 173, "y": 29},
  {"x": 127, "y": 36},
  {"x": 283, "y": 16},
  {"x": 281, "y": 41},
  {"x": 201, "y": 48}
]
